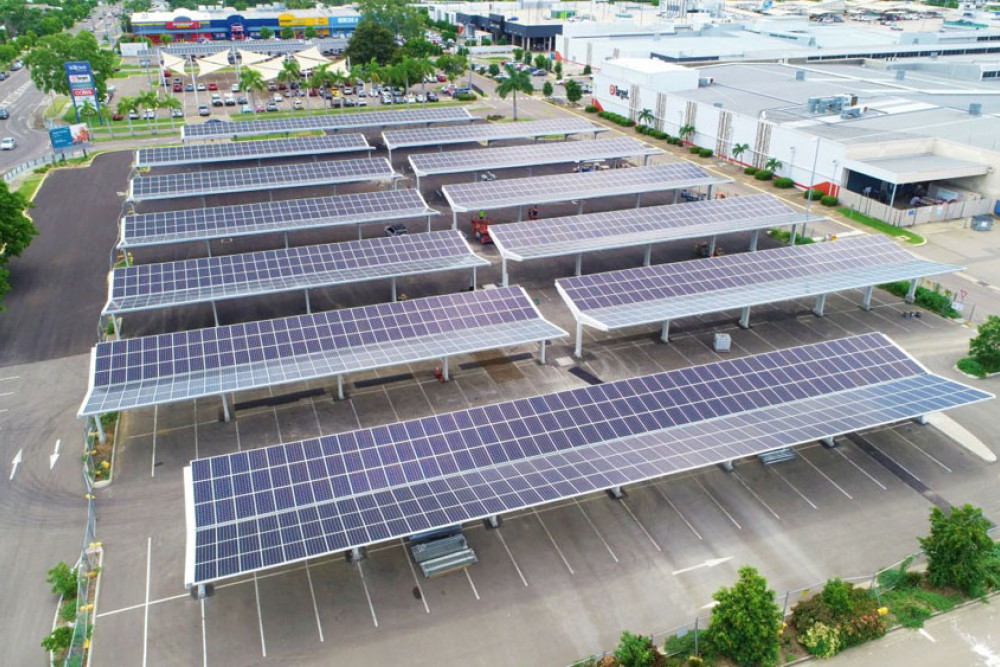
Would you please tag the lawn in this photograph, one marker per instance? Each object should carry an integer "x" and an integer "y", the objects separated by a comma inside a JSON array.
[
  {"x": 30, "y": 185},
  {"x": 883, "y": 227}
]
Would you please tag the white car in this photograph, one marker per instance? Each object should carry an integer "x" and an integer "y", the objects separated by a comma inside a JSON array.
[
  {"x": 297, "y": 105},
  {"x": 278, "y": 97},
  {"x": 7, "y": 144},
  {"x": 235, "y": 88},
  {"x": 150, "y": 114}
]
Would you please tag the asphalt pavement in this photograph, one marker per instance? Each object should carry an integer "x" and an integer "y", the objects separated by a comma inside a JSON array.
[{"x": 25, "y": 104}]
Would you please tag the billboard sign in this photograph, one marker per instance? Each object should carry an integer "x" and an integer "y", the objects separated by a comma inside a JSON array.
[
  {"x": 82, "y": 88},
  {"x": 67, "y": 137},
  {"x": 183, "y": 25}
]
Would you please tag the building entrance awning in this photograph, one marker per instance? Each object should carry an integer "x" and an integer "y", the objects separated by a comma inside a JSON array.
[{"x": 919, "y": 168}]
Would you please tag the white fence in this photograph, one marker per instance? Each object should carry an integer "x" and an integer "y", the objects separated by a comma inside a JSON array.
[
  {"x": 14, "y": 172},
  {"x": 907, "y": 217}
]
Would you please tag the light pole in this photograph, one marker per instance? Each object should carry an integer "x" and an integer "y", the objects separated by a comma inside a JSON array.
[{"x": 812, "y": 182}]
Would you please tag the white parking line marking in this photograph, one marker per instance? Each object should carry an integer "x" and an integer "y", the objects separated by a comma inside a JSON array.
[
  {"x": 260, "y": 617},
  {"x": 54, "y": 456},
  {"x": 927, "y": 635},
  {"x": 152, "y": 462},
  {"x": 312, "y": 592},
  {"x": 596, "y": 532},
  {"x": 687, "y": 523},
  {"x": 919, "y": 449},
  {"x": 552, "y": 540},
  {"x": 754, "y": 494},
  {"x": 145, "y": 616},
  {"x": 368, "y": 596},
  {"x": 511, "y": 556},
  {"x": 6, "y": 393},
  {"x": 802, "y": 456},
  {"x": 719, "y": 505},
  {"x": 863, "y": 471},
  {"x": 413, "y": 571},
  {"x": 792, "y": 487},
  {"x": 639, "y": 523},
  {"x": 10, "y": 377},
  {"x": 469, "y": 577}
]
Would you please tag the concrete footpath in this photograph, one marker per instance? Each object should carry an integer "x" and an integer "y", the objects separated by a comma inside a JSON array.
[{"x": 968, "y": 636}]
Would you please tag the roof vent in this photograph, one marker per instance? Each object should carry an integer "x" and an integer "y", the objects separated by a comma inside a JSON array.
[
  {"x": 800, "y": 75},
  {"x": 718, "y": 105},
  {"x": 975, "y": 109},
  {"x": 900, "y": 74}
]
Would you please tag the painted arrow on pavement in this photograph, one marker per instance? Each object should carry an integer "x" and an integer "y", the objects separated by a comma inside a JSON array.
[
  {"x": 16, "y": 462},
  {"x": 55, "y": 455},
  {"x": 711, "y": 562}
]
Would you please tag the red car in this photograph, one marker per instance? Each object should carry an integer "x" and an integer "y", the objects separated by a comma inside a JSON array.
[
  {"x": 441, "y": 78},
  {"x": 167, "y": 73},
  {"x": 213, "y": 86},
  {"x": 312, "y": 92},
  {"x": 117, "y": 116},
  {"x": 178, "y": 88}
]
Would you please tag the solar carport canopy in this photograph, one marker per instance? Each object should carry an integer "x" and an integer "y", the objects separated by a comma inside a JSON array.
[
  {"x": 166, "y": 368},
  {"x": 438, "y": 136},
  {"x": 191, "y": 281},
  {"x": 427, "y": 164},
  {"x": 250, "y": 150},
  {"x": 587, "y": 185},
  {"x": 205, "y": 224},
  {"x": 666, "y": 292},
  {"x": 574, "y": 234},
  {"x": 262, "y": 508},
  {"x": 200, "y": 183},
  {"x": 364, "y": 120}
]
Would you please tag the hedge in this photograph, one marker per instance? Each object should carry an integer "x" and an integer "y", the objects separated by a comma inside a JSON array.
[
  {"x": 617, "y": 119},
  {"x": 763, "y": 175},
  {"x": 750, "y": 171},
  {"x": 933, "y": 300},
  {"x": 466, "y": 97},
  {"x": 694, "y": 150},
  {"x": 813, "y": 194},
  {"x": 705, "y": 152},
  {"x": 590, "y": 108},
  {"x": 970, "y": 366},
  {"x": 652, "y": 132},
  {"x": 783, "y": 183},
  {"x": 828, "y": 200}
]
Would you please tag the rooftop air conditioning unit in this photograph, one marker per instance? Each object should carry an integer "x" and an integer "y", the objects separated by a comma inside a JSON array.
[{"x": 705, "y": 81}]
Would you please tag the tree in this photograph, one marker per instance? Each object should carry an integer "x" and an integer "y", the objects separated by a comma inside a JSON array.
[
  {"x": 454, "y": 66},
  {"x": 746, "y": 622},
  {"x": 574, "y": 91},
  {"x": 398, "y": 16},
  {"x": 421, "y": 68},
  {"x": 371, "y": 41},
  {"x": 252, "y": 81},
  {"x": 635, "y": 651},
  {"x": 587, "y": 71},
  {"x": 266, "y": 33},
  {"x": 58, "y": 640},
  {"x": 516, "y": 82},
  {"x": 558, "y": 69},
  {"x": 740, "y": 149},
  {"x": 287, "y": 33},
  {"x": 170, "y": 104},
  {"x": 685, "y": 131},
  {"x": 540, "y": 61},
  {"x": 148, "y": 101},
  {"x": 309, "y": 32},
  {"x": 527, "y": 57},
  {"x": 773, "y": 164},
  {"x": 959, "y": 550},
  {"x": 645, "y": 117},
  {"x": 985, "y": 347},
  {"x": 126, "y": 107},
  {"x": 494, "y": 70},
  {"x": 16, "y": 232},
  {"x": 319, "y": 79},
  {"x": 289, "y": 73},
  {"x": 547, "y": 89},
  {"x": 420, "y": 48},
  {"x": 374, "y": 75},
  {"x": 45, "y": 61},
  {"x": 518, "y": 54}
]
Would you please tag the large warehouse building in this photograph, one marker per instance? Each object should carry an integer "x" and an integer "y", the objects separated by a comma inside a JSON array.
[{"x": 184, "y": 25}]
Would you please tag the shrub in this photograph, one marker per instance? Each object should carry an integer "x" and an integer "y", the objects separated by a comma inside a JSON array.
[
  {"x": 63, "y": 580},
  {"x": 813, "y": 194},
  {"x": 985, "y": 347},
  {"x": 694, "y": 150},
  {"x": 681, "y": 645},
  {"x": 861, "y": 629},
  {"x": 822, "y": 640},
  {"x": 783, "y": 183},
  {"x": 705, "y": 152},
  {"x": 910, "y": 613},
  {"x": 958, "y": 549},
  {"x": 763, "y": 175},
  {"x": 837, "y": 598},
  {"x": 586, "y": 70},
  {"x": 828, "y": 200},
  {"x": 58, "y": 640},
  {"x": 970, "y": 366},
  {"x": 750, "y": 171},
  {"x": 590, "y": 108},
  {"x": 635, "y": 651},
  {"x": 68, "y": 610},
  {"x": 465, "y": 97},
  {"x": 746, "y": 622}
]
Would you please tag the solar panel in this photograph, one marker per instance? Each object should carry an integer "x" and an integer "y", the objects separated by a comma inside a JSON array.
[
  {"x": 426, "y": 164},
  {"x": 665, "y": 292},
  {"x": 203, "y": 224},
  {"x": 436, "y": 136},
  {"x": 327, "y": 122},
  {"x": 571, "y": 235},
  {"x": 562, "y": 187},
  {"x": 190, "y": 281},
  {"x": 199, "y": 183},
  {"x": 250, "y": 150},
  {"x": 261, "y": 508},
  {"x": 151, "y": 370}
]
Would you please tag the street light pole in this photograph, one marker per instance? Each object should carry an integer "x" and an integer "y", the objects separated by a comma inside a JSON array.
[{"x": 812, "y": 182}]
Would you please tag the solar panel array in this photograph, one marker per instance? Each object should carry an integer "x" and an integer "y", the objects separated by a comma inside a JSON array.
[
  {"x": 667, "y": 291},
  {"x": 266, "y": 507},
  {"x": 167, "y": 284},
  {"x": 437, "y": 136},
  {"x": 562, "y": 187},
  {"x": 527, "y": 156},
  {"x": 327, "y": 122},
  {"x": 199, "y": 183},
  {"x": 574, "y": 234},
  {"x": 202, "y": 224},
  {"x": 250, "y": 150},
  {"x": 152, "y": 370}
]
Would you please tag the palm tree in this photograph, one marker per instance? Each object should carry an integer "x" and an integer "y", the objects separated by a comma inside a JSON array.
[
  {"x": 148, "y": 101},
  {"x": 290, "y": 73},
  {"x": 374, "y": 73},
  {"x": 516, "y": 82},
  {"x": 646, "y": 117},
  {"x": 317, "y": 81},
  {"x": 253, "y": 82},
  {"x": 773, "y": 164},
  {"x": 422, "y": 68},
  {"x": 127, "y": 106},
  {"x": 170, "y": 104},
  {"x": 685, "y": 131},
  {"x": 393, "y": 75},
  {"x": 739, "y": 149}
]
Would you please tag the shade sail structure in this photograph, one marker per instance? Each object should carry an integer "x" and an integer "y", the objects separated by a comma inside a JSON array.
[
  {"x": 666, "y": 292},
  {"x": 206, "y": 224},
  {"x": 166, "y": 368},
  {"x": 213, "y": 63},
  {"x": 507, "y": 157},
  {"x": 250, "y": 57},
  {"x": 269, "y": 69},
  {"x": 491, "y": 195},
  {"x": 267, "y": 507},
  {"x": 440, "y": 136},
  {"x": 209, "y": 279},
  {"x": 250, "y": 150},
  {"x": 173, "y": 63},
  {"x": 202, "y": 183},
  {"x": 328, "y": 122},
  {"x": 310, "y": 58}
]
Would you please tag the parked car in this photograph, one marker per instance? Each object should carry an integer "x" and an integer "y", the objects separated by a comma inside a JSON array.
[
  {"x": 4, "y": 114},
  {"x": 176, "y": 113},
  {"x": 201, "y": 87},
  {"x": 539, "y": 72},
  {"x": 441, "y": 78},
  {"x": 203, "y": 110},
  {"x": 133, "y": 115},
  {"x": 278, "y": 97},
  {"x": 229, "y": 100},
  {"x": 216, "y": 100},
  {"x": 271, "y": 106},
  {"x": 297, "y": 105},
  {"x": 235, "y": 88},
  {"x": 213, "y": 86},
  {"x": 149, "y": 114},
  {"x": 8, "y": 144},
  {"x": 242, "y": 100},
  {"x": 313, "y": 92},
  {"x": 398, "y": 99},
  {"x": 362, "y": 92},
  {"x": 245, "y": 108},
  {"x": 189, "y": 88},
  {"x": 421, "y": 98},
  {"x": 411, "y": 99},
  {"x": 117, "y": 116},
  {"x": 432, "y": 97},
  {"x": 178, "y": 87},
  {"x": 272, "y": 86}
]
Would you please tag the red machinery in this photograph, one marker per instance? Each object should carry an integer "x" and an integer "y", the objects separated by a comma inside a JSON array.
[{"x": 481, "y": 229}]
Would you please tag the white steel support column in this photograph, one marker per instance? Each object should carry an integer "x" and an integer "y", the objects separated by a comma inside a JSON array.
[
  {"x": 579, "y": 208},
  {"x": 114, "y": 324},
  {"x": 638, "y": 199},
  {"x": 578, "y": 350},
  {"x": 100, "y": 429},
  {"x": 745, "y": 317},
  {"x": 541, "y": 352},
  {"x": 579, "y": 265},
  {"x": 503, "y": 271},
  {"x": 912, "y": 292},
  {"x": 208, "y": 248},
  {"x": 753, "y": 240},
  {"x": 677, "y": 193},
  {"x": 709, "y": 192},
  {"x": 519, "y": 208},
  {"x": 225, "y": 409},
  {"x": 308, "y": 303},
  {"x": 866, "y": 300},
  {"x": 645, "y": 160},
  {"x": 285, "y": 235},
  {"x": 444, "y": 369},
  {"x": 818, "y": 308},
  {"x": 393, "y": 280},
  {"x": 711, "y": 246},
  {"x": 472, "y": 280},
  {"x": 359, "y": 232},
  {"x": 215, "y": 313},
  {"x": 340, "y": 387},
  {"x": 648, "y": 256},
  {"x": 828, "y": 442},
  {"x": 454, "y": 219},
  {"x": 665, "y": 331},
  {"x": 791, "y": 237},
  {"x": 428, "y": 223}
]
